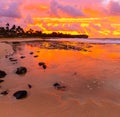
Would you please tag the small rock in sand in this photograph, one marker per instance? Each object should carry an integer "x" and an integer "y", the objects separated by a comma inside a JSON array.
[
  {"x": 5, "y": 92},
  {"x": 1, "y": 81},
  {"x": 43, "y": 65},
  {"x": 58, "y": 86},
  {"x": 22, "y": 57},
  {"x": 2, "y": 74},
  {"x": 21, "y": 70},
  {"x": 29, "y": 86},
  {"x": 20, "y": 94},
  {"x": 31, "y": 53},
  {"x": 12, "y": 59},
  {"x": 36, "y": 56}
]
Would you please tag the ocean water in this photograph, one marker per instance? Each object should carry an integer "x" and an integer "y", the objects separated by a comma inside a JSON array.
[
  {"x": 89, "y": 70},
  {"x": 94, "y": 40},
  {"x": 88, "y": 40}
]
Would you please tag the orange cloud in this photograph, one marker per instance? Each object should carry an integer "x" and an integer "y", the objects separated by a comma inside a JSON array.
[
  {"x": 93, "y": 12},
  {"x": 34, "y": 6}
]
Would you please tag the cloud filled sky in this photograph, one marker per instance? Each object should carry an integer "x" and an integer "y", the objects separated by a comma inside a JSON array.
[{"x": 98, "y": 18}]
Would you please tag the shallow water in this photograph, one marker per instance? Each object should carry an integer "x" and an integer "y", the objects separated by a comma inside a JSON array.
[{"x": 89, "y": 71}]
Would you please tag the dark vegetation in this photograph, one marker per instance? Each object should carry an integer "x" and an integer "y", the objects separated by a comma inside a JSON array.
[{"x": 17, "y": 31}]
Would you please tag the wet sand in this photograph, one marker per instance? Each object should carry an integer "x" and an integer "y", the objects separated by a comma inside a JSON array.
[{"x": 90, "y": 73}]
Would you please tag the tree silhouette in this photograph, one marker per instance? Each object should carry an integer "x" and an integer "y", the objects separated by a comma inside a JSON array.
[
  {"x": 7, "y": 27},
  {"x": 2, "y": 31},
  {"x": 17, "y": 31}
]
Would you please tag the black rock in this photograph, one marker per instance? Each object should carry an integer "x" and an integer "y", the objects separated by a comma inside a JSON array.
[
  {"x": 21, "y": 70},
  {"x": 36, "y": 56},
  {"x": 44, "y": 66},
  {"x": 2, "y": 74},
  {"x": 58, "y": 86},
  {"x": 41, "y": 63},
  {"x": 4, "y": 92},
  {"x": 22, "y": 57},
  {"x": 13, "y": 59},
  {"x": 20, "y": 94},
  {"x": 31, "y": 53},
  {"x": 1, "y": 81},
  {"x": 29, "y": 86}
]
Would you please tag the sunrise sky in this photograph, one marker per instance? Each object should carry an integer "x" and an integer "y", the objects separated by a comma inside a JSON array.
[{"x": 97, "y": 18}]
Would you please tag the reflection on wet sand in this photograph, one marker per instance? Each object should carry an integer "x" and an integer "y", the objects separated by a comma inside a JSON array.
[{"x": 87, "y": 71}]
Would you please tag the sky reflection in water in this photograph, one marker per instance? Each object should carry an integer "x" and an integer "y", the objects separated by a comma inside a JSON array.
[{"x": 89, "y": 71}]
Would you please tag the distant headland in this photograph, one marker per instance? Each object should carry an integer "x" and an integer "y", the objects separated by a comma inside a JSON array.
[{"x": 19, "y": 32}]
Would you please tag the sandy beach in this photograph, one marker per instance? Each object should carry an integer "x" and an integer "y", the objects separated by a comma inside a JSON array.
[{"x": 89, "y": 72}]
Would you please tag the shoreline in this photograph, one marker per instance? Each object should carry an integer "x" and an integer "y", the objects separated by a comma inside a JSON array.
[{"x": 89, "y": 40}]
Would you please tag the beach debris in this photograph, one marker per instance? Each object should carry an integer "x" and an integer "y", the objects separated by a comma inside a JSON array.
[
  {"x": 31, "y": 53},
  {"x": 59, "y": 86},
  {"x": 20, "y": 94},
  {"x": 22, "y": 57},
  {"x": 2, "y": 74},
  {"x": 36, "y": 56},
  {"x": 1, "y": 81},
  {"x": 29, "y": 86},
  {"x": 5, "y": 92},
  {"x": 21, "y": 70},
  {"x": 43, "y": 65}
]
